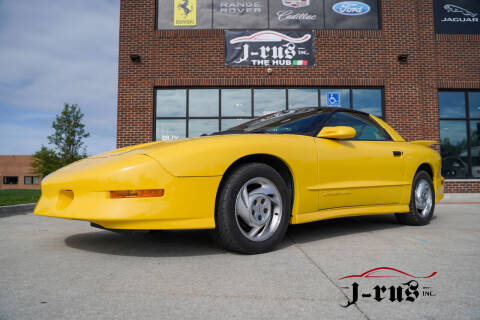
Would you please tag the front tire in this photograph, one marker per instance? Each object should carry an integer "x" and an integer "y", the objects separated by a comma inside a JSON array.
[
  {"x": 253, "y": 209},
  {"x": 422, "y": 201}
]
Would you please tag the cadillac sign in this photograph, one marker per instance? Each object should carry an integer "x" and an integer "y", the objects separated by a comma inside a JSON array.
[{"x": 269, "y": 48}]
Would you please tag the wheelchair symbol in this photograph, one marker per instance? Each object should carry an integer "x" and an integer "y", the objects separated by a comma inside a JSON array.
[{"x": 333, "y": 99}]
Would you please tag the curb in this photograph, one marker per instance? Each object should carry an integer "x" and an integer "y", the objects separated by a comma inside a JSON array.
[{"x": 17, "y": 209}]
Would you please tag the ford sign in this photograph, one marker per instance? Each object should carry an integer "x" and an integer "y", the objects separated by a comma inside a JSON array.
[{"x": 351, "y": 8}]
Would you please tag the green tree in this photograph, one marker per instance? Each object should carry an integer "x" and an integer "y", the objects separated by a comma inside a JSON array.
[{"x": 66, "y": 142}]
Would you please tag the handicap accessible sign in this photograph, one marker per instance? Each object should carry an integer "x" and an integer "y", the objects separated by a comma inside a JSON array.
[{"x": 333, "y": 99}]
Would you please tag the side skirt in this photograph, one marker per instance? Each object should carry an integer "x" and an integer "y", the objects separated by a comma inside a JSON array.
[{"x": 348, "y": 212}]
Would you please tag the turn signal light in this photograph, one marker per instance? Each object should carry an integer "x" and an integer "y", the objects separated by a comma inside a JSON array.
[{"x": 148, "y": 193}]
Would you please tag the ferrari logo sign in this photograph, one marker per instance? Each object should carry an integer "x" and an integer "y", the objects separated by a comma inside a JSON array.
[
  {"x": 185, "y": 13},
  {"x": 296, "y": 3}
]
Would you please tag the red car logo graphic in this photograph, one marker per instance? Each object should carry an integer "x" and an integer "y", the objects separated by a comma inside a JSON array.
[{"x": 385, "y": 272}]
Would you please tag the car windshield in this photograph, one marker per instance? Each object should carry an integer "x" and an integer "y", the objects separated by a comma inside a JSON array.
[{"x": 293, "y": 121}]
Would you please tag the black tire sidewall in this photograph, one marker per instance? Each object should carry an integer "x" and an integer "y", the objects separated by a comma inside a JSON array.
[
  {"x": 416, "y": 218},
  {"x": 225, "y": 215}
]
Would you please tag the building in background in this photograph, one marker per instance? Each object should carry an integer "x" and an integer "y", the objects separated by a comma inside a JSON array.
[
  {"x": 189, "y": 67},
  {"x": 16, "y": 173}
]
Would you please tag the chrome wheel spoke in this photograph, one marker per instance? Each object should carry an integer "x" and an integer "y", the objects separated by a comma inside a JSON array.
[
  {"x": 242, "y": 206},
  {"x": 254, "y": 231},
  {"x": 423, "y": 198},
  {"x": 259, "y": 207}
]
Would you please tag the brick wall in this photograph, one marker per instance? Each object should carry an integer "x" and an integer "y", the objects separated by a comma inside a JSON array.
[{"x": 343, "y": 58}]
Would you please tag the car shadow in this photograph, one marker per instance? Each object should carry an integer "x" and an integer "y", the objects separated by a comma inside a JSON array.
[
  {"x": 326, "y": 229},
  {"x": 200, "y": 243},
  {"x": 161, "y": 243}
]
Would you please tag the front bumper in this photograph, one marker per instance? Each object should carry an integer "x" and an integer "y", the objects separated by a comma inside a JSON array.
[{"x": 82, "y": 191}]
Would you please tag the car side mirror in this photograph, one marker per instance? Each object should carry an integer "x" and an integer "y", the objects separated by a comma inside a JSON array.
[{"x": 338, "y": 133}]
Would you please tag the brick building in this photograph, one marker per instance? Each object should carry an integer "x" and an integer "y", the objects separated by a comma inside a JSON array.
[
  {"x": 16, "y": 173},
  {"x": 416, "y": 65}
]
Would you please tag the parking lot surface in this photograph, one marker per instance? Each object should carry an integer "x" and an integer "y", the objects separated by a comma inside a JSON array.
[{"x": 62, "y": 269}]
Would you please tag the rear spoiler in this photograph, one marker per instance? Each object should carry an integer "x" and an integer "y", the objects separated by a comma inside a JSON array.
[{"x": 426, "y": 143}]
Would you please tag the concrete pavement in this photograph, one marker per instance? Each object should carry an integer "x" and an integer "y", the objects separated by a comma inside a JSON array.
[{"x": 62, "y": 269}]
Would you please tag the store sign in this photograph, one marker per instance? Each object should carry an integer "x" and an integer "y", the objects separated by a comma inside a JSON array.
[
  {"x": 351, "y": 14},
  {"x": 296, "y": 14},
  {"x": 185, "y": 13},
  {"x": 228, "y": 14},
  {"x": 267, "y": 14},
  {"x": 269, "y": 48},
  {"x": 351, "y": 8},
  {"x": 457, "y": 16}
]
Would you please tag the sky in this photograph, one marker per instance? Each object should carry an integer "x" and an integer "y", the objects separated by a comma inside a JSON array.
[{"x": 54, "y": 52}]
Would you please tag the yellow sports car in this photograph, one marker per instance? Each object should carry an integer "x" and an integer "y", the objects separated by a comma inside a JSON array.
[{"x": 251, "y": 181}]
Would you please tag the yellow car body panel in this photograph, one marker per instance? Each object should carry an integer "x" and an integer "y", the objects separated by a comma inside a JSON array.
[{"x": 331, "y": 178}]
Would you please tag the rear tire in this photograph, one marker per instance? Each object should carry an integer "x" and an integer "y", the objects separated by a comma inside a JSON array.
[
  {"x": 253, "y": 209},
  {"x": 422, "y": 201}
]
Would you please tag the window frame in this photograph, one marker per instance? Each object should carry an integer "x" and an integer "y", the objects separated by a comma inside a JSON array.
[
  {"x": 6, "y": 177},
  {"x": 252, "y": 106},
  {"x": 465, "y": 119}
]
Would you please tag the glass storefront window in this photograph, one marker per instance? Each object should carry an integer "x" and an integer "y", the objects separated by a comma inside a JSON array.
[
  {"x": 367, "y": 100},
  {"x": 197, "y": 127},
  {"x": 475, "y": 151},
  {"x": 459, "y": 133},
  {"x": 203, "y": 102},
  {"x": 172, "y": 103},
  {"x": 474, "y": 104},
  {"x": 230, "y": 123},
  {"x": 267, "y": 101},
  {"x": 236, "y": 102},
  {"x": 229, "y": 107},
  {"x": 171, "y": 129},
  {"x": 335, "y": 97},
  {"x": 451, "y": 104},
  {"x": 302, "y": 98}
]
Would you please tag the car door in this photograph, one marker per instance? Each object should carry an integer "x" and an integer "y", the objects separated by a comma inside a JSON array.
[{"x": 366, "y": 170}]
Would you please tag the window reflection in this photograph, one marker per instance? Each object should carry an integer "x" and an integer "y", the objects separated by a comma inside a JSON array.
[
  {"x": 453, "y": 145},
  {"x": 172, "y": 103},
  {"x": 170, "y": 129},
  {"x": 269, "y": 100},
  {"x": 475, "y": 150},
  {"x": 230, "y": 123},
  {"x": 298, "y": 98},
  {"x": 368, "y": 100},
  {"x": 474, "y": 104},
  {"x": 451, "y": 104},
  {"x": 236, "y": 102},
  {"x": 197, "y": 127},
  {"x": 203, "y": 102}
]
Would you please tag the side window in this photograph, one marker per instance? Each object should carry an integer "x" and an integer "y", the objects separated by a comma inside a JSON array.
[{"x": 366, "y": 128}]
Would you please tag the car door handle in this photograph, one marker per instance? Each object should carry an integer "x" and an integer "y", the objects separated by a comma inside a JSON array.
[{"x": 397, "y": 153}]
